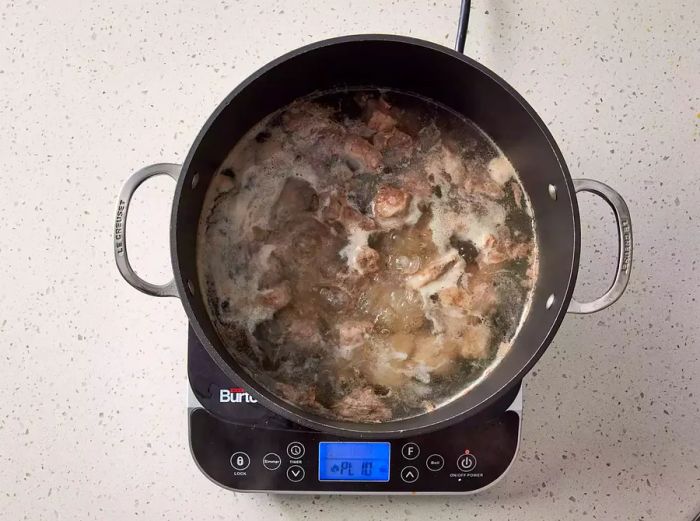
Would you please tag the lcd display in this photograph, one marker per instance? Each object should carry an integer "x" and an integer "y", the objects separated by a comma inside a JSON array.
[{"x": 353, "y": 461}]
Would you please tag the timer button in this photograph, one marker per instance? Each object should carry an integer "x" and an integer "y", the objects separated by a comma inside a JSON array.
[
  {"x": 410, "y": 451},
  {"x": 409, "y": 474},
  {"x": 295, "y": 473},
  {"x": 466, "y": 462},
  {"x": 240, "y": 460},
  {"x": 435, "y": 462},
  {"x": 295, "y": 450}
]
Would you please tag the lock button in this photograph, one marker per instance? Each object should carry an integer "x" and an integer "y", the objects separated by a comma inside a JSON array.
[{"x": 240, "y": 460}]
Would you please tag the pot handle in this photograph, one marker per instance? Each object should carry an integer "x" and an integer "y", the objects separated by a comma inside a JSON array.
[
  {"x": 168, "y": 289},
  {"x": 624, "y": 253}
]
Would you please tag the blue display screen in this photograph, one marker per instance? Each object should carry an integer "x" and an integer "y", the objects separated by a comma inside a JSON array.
[{"x": 353, "y": 461}]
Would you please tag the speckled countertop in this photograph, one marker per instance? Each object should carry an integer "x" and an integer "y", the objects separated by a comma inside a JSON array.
[{"x": 92, "y": 416}]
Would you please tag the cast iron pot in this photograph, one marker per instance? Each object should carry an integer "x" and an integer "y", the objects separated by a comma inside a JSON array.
[{"x": 442, "y": 75}]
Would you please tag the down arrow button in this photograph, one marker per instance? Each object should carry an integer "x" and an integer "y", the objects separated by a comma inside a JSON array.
[{"x": 295, "y": 473}]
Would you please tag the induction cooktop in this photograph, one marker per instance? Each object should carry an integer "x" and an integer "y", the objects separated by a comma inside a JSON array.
[{"x": 242, "y": 446}]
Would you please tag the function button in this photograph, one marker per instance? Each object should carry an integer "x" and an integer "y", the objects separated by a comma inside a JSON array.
[
  {"x": 466, "y": 462},
  {"x": 295, "y": 450},
  {"x": 409, "y": 474},
  {"x": 240, "y": 460},
  {"x": 435, "y": 462},
  {"x": 410, "y": 451},
  {"x": 272, "y": 461},
  {"x": 295, "y": 473}
]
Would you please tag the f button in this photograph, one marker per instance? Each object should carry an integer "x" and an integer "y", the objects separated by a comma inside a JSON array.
[{"x": 410, "y": 451}]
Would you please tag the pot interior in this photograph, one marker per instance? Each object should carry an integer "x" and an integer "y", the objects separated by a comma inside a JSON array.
[{"x": 447, "y": 78}]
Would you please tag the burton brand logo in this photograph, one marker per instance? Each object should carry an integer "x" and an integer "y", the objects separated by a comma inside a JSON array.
[{"x": 235, "y": 395}]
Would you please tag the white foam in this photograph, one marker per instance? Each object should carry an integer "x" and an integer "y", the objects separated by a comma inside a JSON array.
[
  {"x": 468, "y": 225},
  {"x": 357, "y": 238},
  {"x": 500, "y": 169}
]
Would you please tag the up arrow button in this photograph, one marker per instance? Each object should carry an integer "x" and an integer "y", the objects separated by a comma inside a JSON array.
[{"x": 409, "y": 474}]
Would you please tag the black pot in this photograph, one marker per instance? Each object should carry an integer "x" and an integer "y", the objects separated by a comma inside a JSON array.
[{"x": 444, "y": 76}]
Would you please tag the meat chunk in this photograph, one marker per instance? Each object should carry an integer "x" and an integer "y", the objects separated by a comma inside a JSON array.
[
  {"x": 304, "y": 243},
  {"x": 305, "y": 121},
  {"x": 458, "y": 299},
  {"x": 360, "y": 258},
  {"x": 393, "y": 140},
  {"x": 336, "y": 209},
  {"x": 362, "y": 154},
  {"x": 399, "y": 140},
  {"x": 351, "y": 335},
  {"x": 441, "y": 162},
  {"x": 396, "y": 146},
  {"x": 434, "y": 353},
  {"x": 359, "y": 127},
  {"x": 371, "y": 105},
  {"x": 501, "y": 247},
  {"x": 484, "y": 299},
  {"x": 297, "y": 196},
  {"x": 415, "y": 183},
  {"x": 312, "y": 131},
  {"x": 367, "y": 260},
  {"x": 298, "y": 395},
  {"x": 428, "y": 137},
  {"x": 331, "y": 206},
  {"x": 362, "y": 403},
  {"x": 468, "y": 303},
  {"x": 380, "y": 121},
  {"x": 432, "y": 271},
  {"x": 479, "y": 184},
  {"x": 304, "y": 332},
  {"x": 390, "y": 202},
  {"x": 353, "y": 219},
  {"x": 453, "y": 166},
  {"x": 277, "y": 297},
  {"x": 381, "y": 139},
  {"x": 387, "y": 373},
  {"x": 271, "y": 269},
  {"x": 387, "y": 363},
  {"x": 517, "y": 194},
  {"x": 475, "y": 342},
  {"x": 406, "y": 248}
]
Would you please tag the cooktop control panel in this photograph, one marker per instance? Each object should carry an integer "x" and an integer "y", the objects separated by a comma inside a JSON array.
[
  {"x": 251, "y": 458},
  {"x": 241, "y": 445}
]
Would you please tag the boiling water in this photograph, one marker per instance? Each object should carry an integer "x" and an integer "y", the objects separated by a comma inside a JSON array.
[{"x": 366, "y": 255}]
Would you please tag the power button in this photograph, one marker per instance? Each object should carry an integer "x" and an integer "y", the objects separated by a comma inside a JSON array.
[{"x": 466, "y": 462}]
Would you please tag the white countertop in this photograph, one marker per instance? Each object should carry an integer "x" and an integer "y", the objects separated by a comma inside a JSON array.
[{"x": 92, "y": 416}]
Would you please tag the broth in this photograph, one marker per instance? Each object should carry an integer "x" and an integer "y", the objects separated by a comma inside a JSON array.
[{"x": 367, "y": 255}]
